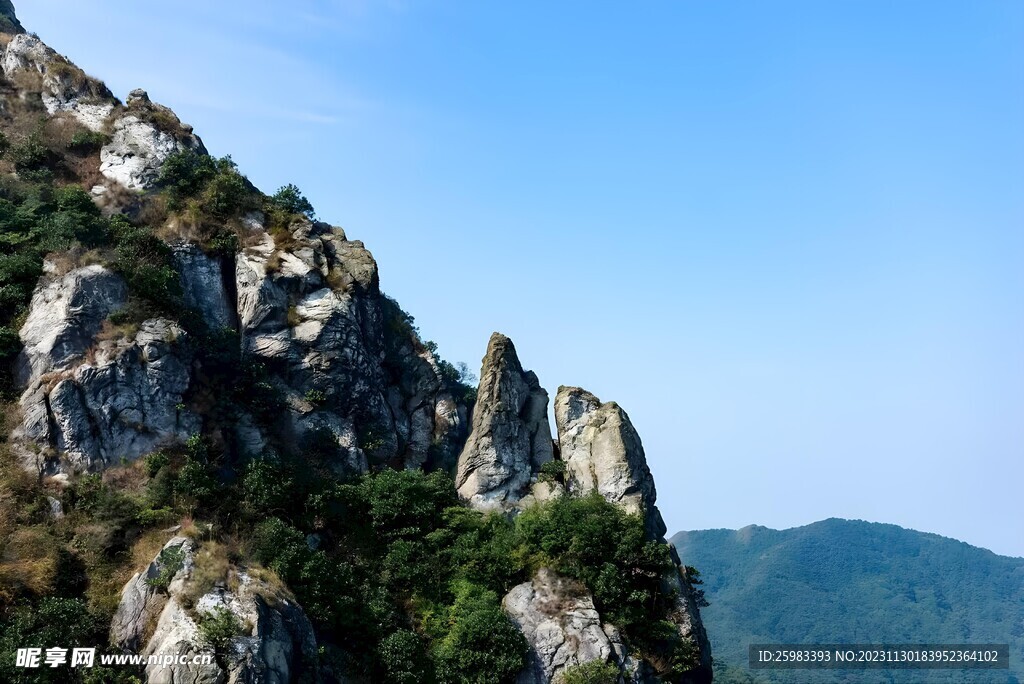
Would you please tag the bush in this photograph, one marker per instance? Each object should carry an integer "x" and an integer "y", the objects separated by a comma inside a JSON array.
[
  {"x": 552, "y": 471},
  {"x": 480, "y": 643},
  {"x": 218, "y": 627},
  {"x": 154, "y": 462},
  {"x": 596, "y": 542},
  {"x": 30, "y": 154},
  {"x": 84, "y": 142},
  {"x": 403, "y": 658},
  {"x": 291, "y": 200},
  {"x": 594, "y": 672},
  {"x": 169, "y": 562}
]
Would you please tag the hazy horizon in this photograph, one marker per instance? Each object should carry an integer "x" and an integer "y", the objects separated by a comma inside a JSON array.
[{"x": 786, "y": 237}]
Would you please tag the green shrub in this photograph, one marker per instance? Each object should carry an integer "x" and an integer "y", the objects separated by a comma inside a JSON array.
[
  {"x": 169, "y": 562},
  {"x": 596, "y": 542},
  {"x": 480, "y": 643},
  {"x": 184, "y": 174},
  {"x": 218, "y": 626},
  {"x": 85, "y": 141},
  {"x": 552, "y": 471},
  {"x": 30, "y": 154},
  {"x": 594, "y": 672},
  {"x": 154, "y": 462},
  {"x": 291, "y": 200},
  {"x": 403, "y": 658}
]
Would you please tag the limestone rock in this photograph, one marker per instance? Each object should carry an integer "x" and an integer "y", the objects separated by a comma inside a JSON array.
[
  {"x": 562, "y": 627},
  {"x": 63, "y": 87},
  {"x": 603, "y": 452},
  {"x": 123, "y": 403},
  {"x": 138, "y": 148},
  {"x": 64, "y": 317},
  {"x": 510, "y": 439},
  {"x": 276, "y": 643}
]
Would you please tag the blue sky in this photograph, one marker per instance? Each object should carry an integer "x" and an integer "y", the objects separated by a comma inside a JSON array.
[{"x": 786, "y": 237}]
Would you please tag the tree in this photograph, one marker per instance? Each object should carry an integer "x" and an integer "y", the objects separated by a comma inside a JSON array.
[{"x": 290, "y": 199}]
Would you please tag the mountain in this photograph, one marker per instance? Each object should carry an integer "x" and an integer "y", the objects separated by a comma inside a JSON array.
[
  {"x": 849, "y": 581},
  {"x": 226, "y": 448}
]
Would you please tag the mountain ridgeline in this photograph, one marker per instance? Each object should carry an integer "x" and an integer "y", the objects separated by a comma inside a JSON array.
[
  {"x": 849, "y": 581},
  {"x": 222, "y": 439}
]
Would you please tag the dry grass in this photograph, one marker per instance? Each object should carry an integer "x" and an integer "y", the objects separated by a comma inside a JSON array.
[
  {"x": 212, "y": 566},
  {"x": 127, "y": 479},
  {"x": 28, "y": 562}
]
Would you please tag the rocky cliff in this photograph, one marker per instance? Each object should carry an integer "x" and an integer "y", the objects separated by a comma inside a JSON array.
[{"x": 181, "y": 347}]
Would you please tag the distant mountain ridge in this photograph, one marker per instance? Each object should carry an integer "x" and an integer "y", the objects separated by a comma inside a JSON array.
[{"x": 850, "y": 581}]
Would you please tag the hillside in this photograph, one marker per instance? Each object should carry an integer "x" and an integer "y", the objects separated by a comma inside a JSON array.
[
  {"x": 224, "y": 447},
  {"x": 844, "y": 581}
]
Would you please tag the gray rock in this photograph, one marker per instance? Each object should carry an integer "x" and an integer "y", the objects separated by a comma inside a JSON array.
[
  {"x": 603, "y": 452},
  {"x": 202, "y": 285},
  {"x": 123, "y": 403},
  {"x": 137, "y": 151},
  {"x": 64, "y": 317},
  {"x": 62, "y": 86},
  {"x": 562, "y": 627},
  {"x": 312, "y": 304},
  {"x": 510, "y": 439},
  {"x": 276, "y": 643}
]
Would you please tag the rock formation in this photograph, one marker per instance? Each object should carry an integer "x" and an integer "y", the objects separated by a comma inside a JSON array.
[
  {"x": 563, "y": 629},
  {"x": 510, "y": 439},
  {"x": 296, "y": 311},
  {"x": 157, "y": 615},
  {"x": 602, "y": 452}
]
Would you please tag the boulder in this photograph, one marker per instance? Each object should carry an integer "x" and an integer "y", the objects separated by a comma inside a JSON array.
[
  {"x": 510, "y": 439},
  {"x": 603, "y": 452},
  {"x": 562, "y": 627}
]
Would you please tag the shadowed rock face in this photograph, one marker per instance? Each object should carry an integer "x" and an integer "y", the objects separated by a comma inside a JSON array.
[
  {"x": 8, "y": 19},
  {"x": 511, "y": 438}
]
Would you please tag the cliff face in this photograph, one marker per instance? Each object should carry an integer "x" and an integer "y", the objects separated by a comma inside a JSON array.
[{"x": 204, "y": 317}]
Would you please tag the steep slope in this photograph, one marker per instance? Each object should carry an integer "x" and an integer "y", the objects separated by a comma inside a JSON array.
[
  {"x": 222, "y": 439},
  {"x": 847, "y": 581}
]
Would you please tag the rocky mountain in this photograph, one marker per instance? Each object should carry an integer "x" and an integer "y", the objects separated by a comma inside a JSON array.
[
  {"x": 222, "y": 439},
  {"x": 849, "y": 581}
]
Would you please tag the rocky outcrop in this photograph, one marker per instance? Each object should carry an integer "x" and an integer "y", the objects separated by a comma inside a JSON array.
[
  {"x": 510, "y": 439},
  {"x": 142, "y": 139},
  {"x": 123, "y": 401},
  {"x": 275, "y": 643},
  {"x": 603, "y": 452},
  {"x": 563, "y": 629},
  {"x": 686, "y": 617},
  {"x": 62, "y": 86},
  {"x": 64, "y": 317},
  {"x": 309, "y": 304}
]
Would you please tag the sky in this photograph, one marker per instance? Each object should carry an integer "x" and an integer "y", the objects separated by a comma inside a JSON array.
[{"x": 787, "y": 238}]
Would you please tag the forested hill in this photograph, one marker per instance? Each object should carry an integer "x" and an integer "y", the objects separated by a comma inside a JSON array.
[{"x": 851, "y": 581}]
